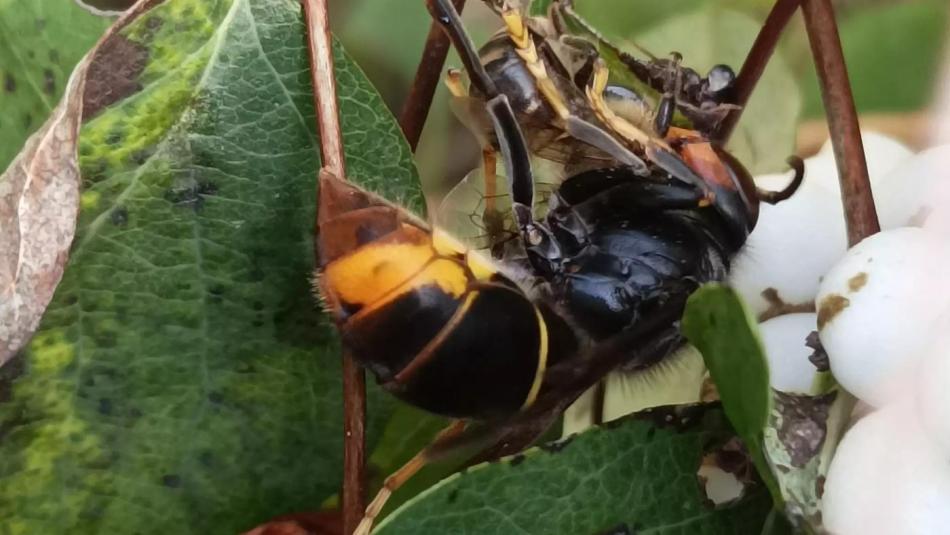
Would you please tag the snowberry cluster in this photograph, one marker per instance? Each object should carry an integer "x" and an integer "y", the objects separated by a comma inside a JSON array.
[{"x": 883, "y": 317}]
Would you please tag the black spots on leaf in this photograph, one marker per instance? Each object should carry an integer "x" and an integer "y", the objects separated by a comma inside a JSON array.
[
  {"x": 619, "y": 529},
  {"x": 94, "y": 172},
  {"x": 152, "y": 24},
  {"x": 557, "y": 446},
  {"x": 27, "y": 120},
  {"x": 113, "y": 74},
  {"x": 206, "y": 458},
  {"x": 49, "y": 82},
  {"x": 115, "y": 136},
  {"x": 215, "y": 397},
  {"x": 140, "y": 156},
  {"x": 53, "y": 55},
  {"x": 119, "y": 216},
  {"x": 516, "y": 460},
  {"x": 106, "y": 338},
  {"x": 191, "y": 193},
  {"x": 215, "y": 294},
  {"x": 105, "y": 406},
  {"x": 172, "y": 481},
  {"x": 677, "y": 417},
  {"x": 9, "y": 83},
  {"x": 452, "y": 497}
]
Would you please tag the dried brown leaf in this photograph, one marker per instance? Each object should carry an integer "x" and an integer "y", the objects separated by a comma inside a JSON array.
[
  {"x": 39, "y": 202},
  {"x": 39, "y": 205}
]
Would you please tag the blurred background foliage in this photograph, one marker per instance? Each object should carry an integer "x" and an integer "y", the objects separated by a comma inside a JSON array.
[{"x": 893, "y": 49}]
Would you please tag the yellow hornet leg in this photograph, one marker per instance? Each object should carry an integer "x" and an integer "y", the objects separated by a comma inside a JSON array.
[
  {"x": 595, "y": 95},
  {"x": 453, "y": 81},
  {"x": 524, "y": 45},
  {"x": 399, "y": 477}
]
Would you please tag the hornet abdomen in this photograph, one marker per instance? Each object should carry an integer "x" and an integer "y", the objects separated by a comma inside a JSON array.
[{"x": 436, "y": 323}]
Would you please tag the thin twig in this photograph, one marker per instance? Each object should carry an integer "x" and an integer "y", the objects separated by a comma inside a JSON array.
[
  {"x": 324, "y": 86},
  {"x": 331, "y": 149},
  {"x": 755, "y": 62},
  {"x": 860, "y": 215},
  {"x": 415, "y": 110}
]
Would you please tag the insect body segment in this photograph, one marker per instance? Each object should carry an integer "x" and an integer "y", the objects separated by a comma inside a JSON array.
[{"x": 437, "y": 324}]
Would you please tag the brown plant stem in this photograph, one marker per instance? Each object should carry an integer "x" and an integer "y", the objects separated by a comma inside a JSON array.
[
  {"x": 415, "y": 109},
  {"x": 331, "y": 150},
  {"x": 860, "y": 215},
  {"x": 755, "y": 62}
]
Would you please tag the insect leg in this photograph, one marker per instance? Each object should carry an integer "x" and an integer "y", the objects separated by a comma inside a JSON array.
[
  {"x": 577, "y": 127},
  {"x": 453, "y": 81},
  {"x": 514, "y": 150},
  {"x": 399, "y": 477},
  {"x": 444, "y": 12},
  {"x": 595, "y": 95},
  {"x": 667, "y": 105}
]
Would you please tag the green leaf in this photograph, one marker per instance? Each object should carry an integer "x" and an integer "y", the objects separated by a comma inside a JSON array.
[
  {"x": 539, "y": 7},
  {"x": 718, "y": 324},
  {"x": 893, "y": 55},
  {"x": 639, "y": 471},
  {"x": 765, "y": 136},
  {"x": 40, "y": 43},
  {"x": 183, "y": 379},
  {"x": 791, "y": 437}
]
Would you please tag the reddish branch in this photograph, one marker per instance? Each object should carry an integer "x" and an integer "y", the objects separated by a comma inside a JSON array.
[
  {"x": 331, "y": 149},
  {"x": 860, "y": 216},
  {"x": 415, "y": 110},
  {"x": 755, "y": 62}
]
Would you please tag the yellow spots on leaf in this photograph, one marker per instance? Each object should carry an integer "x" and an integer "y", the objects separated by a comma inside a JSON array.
[
  {"x": 51, "y": 352},
  {"x": 89, "y": 200}
]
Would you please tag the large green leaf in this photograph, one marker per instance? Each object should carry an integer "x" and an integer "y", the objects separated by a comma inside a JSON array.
[
  {"x": 893, "y": 52},
  {"x": 719, "y": 326},
  {"x": 183, "y": 379},
  {"x": 640, "y": 472},
  {"x": 791, "y": 437},
  {"x": 40, "y": 42}
]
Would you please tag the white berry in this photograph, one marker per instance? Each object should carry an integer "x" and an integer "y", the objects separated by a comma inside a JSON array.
[
  {"x": 933, "y": 386},
  {"x": 792, "y": 246},
  {"x": 887, "y": 478},
  {"x": 876, "y": 309},
  {"x": 916, "y": 191}
]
